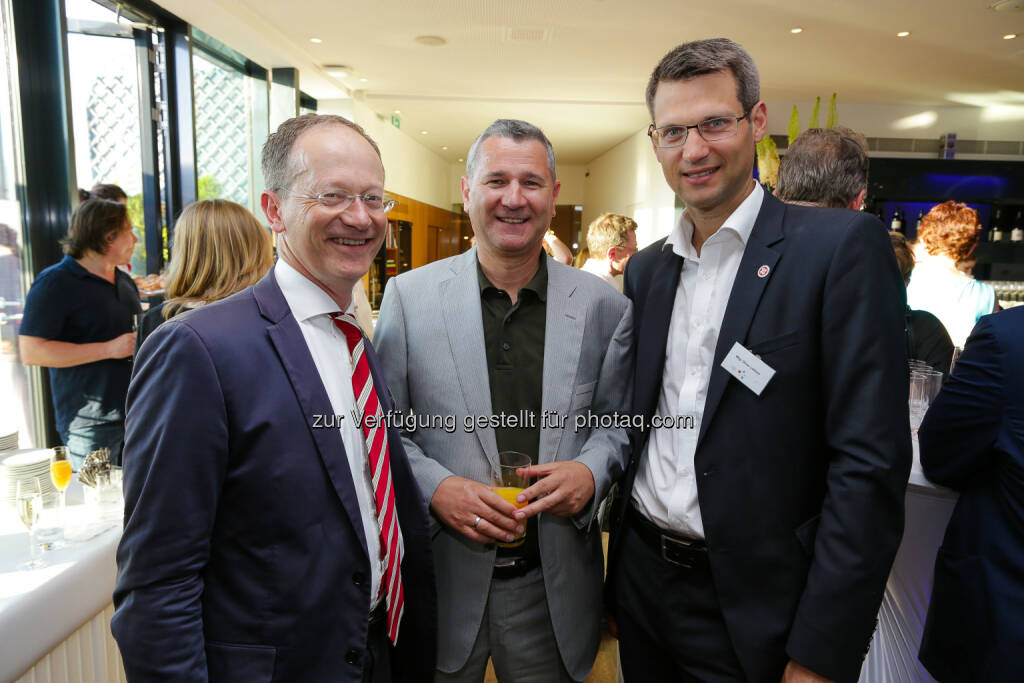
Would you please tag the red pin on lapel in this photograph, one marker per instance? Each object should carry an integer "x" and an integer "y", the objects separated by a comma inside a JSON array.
[{"x": 763, "y": 271}]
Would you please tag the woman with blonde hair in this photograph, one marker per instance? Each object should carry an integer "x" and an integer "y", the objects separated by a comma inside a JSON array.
[
  {"x": 219, "y": 249},
  {"x": 946, "y": 235}
]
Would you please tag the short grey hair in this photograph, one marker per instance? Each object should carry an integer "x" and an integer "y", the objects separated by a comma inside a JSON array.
[
  {"x": 516, "y": 130},
  {"x": 277, "y": 150},
  {"x": 824, "y": 166},
  {"x": 702, "y": 57}
]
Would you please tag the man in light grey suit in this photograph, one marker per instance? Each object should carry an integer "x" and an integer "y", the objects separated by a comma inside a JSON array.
[{"x": 504, "y": 330}]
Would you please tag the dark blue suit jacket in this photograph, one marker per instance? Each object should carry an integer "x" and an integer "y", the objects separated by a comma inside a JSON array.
[
  {"x": 972, "y": 439},
  {"x": 800, "y": 488},
  {"x": 243, "y": 556}
]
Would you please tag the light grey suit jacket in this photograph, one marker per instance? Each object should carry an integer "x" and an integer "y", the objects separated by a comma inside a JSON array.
[{"x": 430, "y": 341}]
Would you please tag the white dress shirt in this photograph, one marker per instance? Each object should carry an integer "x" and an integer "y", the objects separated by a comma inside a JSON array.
[
  {"x": 665, "y": 491},
  {"x": 602, "y": 268},
  {"x": 311, "y": 307}
]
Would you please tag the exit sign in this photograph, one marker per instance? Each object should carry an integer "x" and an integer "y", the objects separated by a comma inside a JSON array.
[{"x": 395, "y": 121}]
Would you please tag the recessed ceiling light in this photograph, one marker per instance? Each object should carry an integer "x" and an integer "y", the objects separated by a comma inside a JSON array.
[
  {"x": 431, "y": 41},
  {"x": 1009, "y": 36},
  {"x": 338, "y": 74},
  {"x": 461, "y": 159},
  {"x": 398, "y": 111},
  {"x": 423, "y": 132},
  {"x": 364, "y": 80},
  {"x": 315, "y": 40},
  {"x": 796, "y": 30},
  {"x": 903, "y": 34},
  {"x": 444, "y": 147}
]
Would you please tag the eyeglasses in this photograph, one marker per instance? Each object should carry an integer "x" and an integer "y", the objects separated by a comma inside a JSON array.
[
  {"x": 339, "y": 200},
  {"x": 712, "y": 130}
]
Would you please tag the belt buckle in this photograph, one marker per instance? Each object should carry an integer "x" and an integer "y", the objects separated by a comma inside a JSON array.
[{"x": 672, "y": 550}]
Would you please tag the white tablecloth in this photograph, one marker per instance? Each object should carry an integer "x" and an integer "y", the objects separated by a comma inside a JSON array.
[
  {"x": 40, "y": 608},
  {"x": 893, "y": 654}
]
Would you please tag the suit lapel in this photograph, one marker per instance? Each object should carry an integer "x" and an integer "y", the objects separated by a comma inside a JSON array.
[
  {"x": 463, "y": 321},
  {"x": 743, "y": 300},
  {"x": 564, "y": 320},
  {"x": 652, "y": 332},
  {"x": 291, "y": 348}
]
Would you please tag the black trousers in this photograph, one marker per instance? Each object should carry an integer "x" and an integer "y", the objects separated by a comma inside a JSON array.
[{"x": 669, "y": 619}]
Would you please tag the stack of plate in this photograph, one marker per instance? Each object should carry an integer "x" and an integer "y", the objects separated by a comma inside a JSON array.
[
  {"x": 25, "y": 465},
  {"x": 8, "y": 441}
]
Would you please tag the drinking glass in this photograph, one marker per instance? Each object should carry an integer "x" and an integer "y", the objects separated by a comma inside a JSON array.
[
  {"x": 60, "y": 475},
  {"x": 508, "y": 483},
  {"x": 29, "y": 502},
  {"x": 918, "y": 400}
]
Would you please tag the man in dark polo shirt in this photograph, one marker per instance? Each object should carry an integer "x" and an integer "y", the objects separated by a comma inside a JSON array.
[
  {"x": 520, "y": 353},
  {"x": 78, "y": 323}
]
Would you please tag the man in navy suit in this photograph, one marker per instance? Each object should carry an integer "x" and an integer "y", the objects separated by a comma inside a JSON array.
[
  {"x": 753, "y": 540},
  {"x": 972, "y": 440},
  {"x": 252, "y": 549}
]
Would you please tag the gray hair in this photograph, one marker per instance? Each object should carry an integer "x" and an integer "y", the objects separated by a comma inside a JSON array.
[
  {"x": 702, "y": 57},
  {"x": 826, "y": 167},
  {"x": 519, "y": 131},
  {"x": 277, "y": 150}
]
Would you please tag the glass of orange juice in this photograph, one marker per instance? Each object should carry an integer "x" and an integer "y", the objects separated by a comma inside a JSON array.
[
  {"x": 508, "y": 483},
  {"x": 60, "y": 474}
]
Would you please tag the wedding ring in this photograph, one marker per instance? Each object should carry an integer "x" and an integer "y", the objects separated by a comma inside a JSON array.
[{"x": 476, "y": 521}]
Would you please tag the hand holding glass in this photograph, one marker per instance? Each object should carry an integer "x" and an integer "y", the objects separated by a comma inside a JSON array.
[{"x": 508, "y": 483}]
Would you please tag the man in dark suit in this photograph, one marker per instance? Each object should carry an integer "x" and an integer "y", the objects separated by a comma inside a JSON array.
[
  {"x": 972, "y": 440},
  {"x": 261, "y": 541},
  {"x": 755, "y": 533}
]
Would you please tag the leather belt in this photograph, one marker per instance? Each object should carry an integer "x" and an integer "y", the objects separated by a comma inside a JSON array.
[
  {"x": 689, "y": 553},
  {"x": 512, "y": 568}
]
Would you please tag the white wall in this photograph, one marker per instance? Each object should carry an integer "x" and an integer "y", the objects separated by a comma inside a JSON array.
[
  {"x": 411, "y": 169},
  {"x": 993, "y": 122},
  {"x": 627, "y": 179}
]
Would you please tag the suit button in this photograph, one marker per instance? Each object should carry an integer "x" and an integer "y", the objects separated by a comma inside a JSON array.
[
  {"x": 709, "y": 472},
  {"x": 352, "y": 657},
  {"x": 359, "y": 578},
  {"x": 506, "y": 346}
]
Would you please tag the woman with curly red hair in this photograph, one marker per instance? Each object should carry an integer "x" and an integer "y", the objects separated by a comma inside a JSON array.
[{"x": 946, "y": 235}]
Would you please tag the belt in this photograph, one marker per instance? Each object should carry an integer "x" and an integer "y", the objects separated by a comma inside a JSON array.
[
  {"x": 689, "y": 553},
  {"x": 512, "y": 568}
]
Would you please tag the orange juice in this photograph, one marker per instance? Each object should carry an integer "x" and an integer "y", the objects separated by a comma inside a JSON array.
[
  {"x": 60, "y": 472},
  {"x": 509, "y": 493}
]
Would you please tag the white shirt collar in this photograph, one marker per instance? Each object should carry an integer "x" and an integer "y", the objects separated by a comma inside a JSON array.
[
  {"x": 304, "y": 298},
  {"x": 740, "y": 222}
]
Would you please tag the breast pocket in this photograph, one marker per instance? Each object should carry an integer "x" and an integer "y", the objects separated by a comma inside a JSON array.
[
  {"x": 774, "y": 344},
  {"x": 582, "y": 396}
]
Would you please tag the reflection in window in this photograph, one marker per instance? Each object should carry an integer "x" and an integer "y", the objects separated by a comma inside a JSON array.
[
  {"x": 223, "y": 130},
  {"x": 19, "y": 414}
]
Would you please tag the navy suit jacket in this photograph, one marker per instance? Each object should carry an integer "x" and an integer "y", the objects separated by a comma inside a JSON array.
[
  {"x": 972, "y": 439},
  {"x": 243, "y": 556},
  {"x": 800, "y": 488}
]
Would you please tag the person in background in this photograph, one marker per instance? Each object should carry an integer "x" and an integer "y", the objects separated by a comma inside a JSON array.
[
  {"x": 556, "y": 248},
  {"x": 273, "y": 529},
  {"x": 107, "y": 191},
  {"x": 581, "y": 257},
  {"x": 79, "y": 321},
  {"x": 947, "y": 235},
  {"x": 753, "y": 542},
  {"x": 219, "y": 249},
  {"x": 927, "y": 338},
  {"x": 972, "y": 440},
  {"x": 825, "y": 167},
  {"x": 611, "y": 239}
]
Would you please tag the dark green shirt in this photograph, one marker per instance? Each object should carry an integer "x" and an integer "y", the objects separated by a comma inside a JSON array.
[{"x": 514, "y": 340}]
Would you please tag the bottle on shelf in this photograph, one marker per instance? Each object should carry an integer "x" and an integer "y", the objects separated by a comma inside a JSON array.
[
  {"x": 896, "y": 225},
  {"x": 995, "y": 233},
  {"x": 1017, "y": 234}
]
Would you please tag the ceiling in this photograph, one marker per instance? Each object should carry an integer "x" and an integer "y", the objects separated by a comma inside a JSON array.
[{"x": 578, "y": 68}]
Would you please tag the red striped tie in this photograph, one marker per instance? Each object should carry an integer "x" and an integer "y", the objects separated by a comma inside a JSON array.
[{"x": 380, "y": 471}]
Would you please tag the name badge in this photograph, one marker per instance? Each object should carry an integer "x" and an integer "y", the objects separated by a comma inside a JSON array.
[{"x": 753, "y": 372}]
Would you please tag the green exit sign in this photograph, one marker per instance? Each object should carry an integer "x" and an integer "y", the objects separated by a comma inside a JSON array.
[{"x": 395, "y": 121}]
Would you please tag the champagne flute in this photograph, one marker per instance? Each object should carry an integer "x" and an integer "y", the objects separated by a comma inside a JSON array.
[
  {"x": 29, "y": 502},
  {"x": 60, "y": 475}
]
